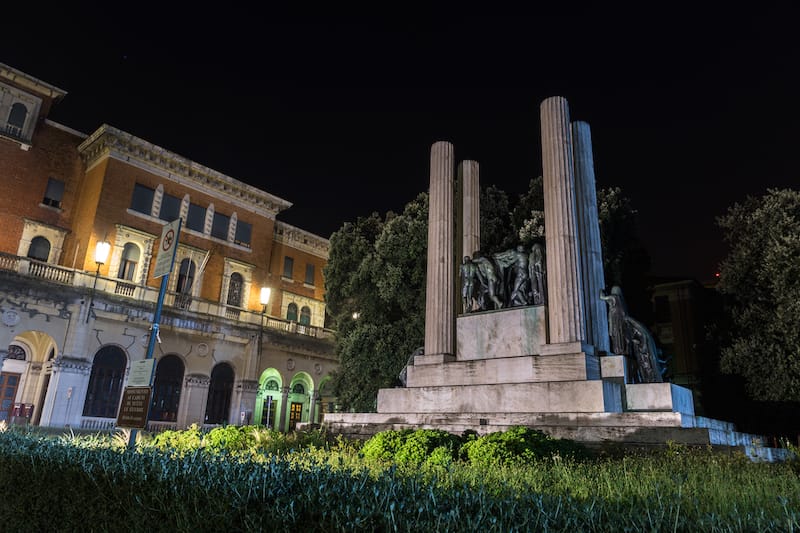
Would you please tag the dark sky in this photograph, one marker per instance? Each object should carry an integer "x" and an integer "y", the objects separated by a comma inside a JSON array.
[{"x": 690, "y": 110}]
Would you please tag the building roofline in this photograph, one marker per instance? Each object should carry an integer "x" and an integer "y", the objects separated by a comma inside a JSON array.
[{"x": 35, "y": 84}]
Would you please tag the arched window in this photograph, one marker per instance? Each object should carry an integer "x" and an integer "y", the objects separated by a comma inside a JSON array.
[
  {"x": 39, "y": 249},
  {"x": 16, "y": 119},
  {"x": 272, "y": 385},
  {"x": 16, "y": 352},
  {"x": 185, "y": 276},
  {"x": 167, "y": 389},
  {"x": 291, "y": 312},
  {"x": 305, "y": 315},
  {"x": 128, "y": 261},
  {"x": 105, "y": 383},
  {"x": 235, "y": 290},
  {"x": 219, "y": 394},
  {"x": 298, "y": 388}
]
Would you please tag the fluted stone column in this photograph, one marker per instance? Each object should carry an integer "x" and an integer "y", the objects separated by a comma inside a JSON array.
[
  {"x": 469, "y": 172},
  {"x": 563, "y": 276},
  {"x": 440, "y": 283},
  {"x": 596, "y": 317}
]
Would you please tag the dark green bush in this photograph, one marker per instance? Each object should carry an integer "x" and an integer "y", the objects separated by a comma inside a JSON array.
[
  {"x": 518, "y": 445},
  {"x": 384, "y": 445},
  {"x": 409, "y": 447}
]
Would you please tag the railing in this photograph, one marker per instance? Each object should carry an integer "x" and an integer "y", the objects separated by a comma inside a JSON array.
[
  {"x": 158, "y": 427},
  {"x": 98, "y": 424},
  {"x": 49, "y": 272},
  {"x": 144, "y": 295},
  {"x": 9, "y": 262},
  {"x": 125, "y": 289}
]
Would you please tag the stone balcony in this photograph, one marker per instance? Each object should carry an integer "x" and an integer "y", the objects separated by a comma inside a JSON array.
[{"x": 118, "y": 296}]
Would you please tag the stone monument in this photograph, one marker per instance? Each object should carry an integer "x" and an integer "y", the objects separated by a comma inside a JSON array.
[{"x": 538, "y": 342}]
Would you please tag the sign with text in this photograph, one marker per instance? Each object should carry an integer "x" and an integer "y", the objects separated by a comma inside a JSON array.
[
  {"x": 133, "y": 411},
  {"x": 141, "y": 372},
  {"x": 166, "y": 248}
]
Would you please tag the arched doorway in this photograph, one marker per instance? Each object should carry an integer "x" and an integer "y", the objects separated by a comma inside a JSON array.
[
  {"x": 219, "y": 394},
  {"x": 268, "y": 399},
  {"x": 167, "y": 389},
  {"x": 105, "y": 383},
  {"x": 299, "y": 399}
]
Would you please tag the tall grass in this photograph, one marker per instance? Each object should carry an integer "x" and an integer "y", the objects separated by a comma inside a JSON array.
[{"x": 92, "y": 483}]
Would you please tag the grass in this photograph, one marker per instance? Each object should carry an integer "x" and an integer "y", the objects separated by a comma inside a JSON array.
[{"x": 327, "y": 484}]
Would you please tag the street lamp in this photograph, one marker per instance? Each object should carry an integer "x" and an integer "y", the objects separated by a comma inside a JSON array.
[
  {"x": 100, "y": 256},
  {"x": 264, "y": 301}
]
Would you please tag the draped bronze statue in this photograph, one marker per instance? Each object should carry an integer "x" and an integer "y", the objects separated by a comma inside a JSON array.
[{"x": 510, "y": 278}]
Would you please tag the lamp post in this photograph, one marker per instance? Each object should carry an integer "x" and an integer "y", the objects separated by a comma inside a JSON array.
[
  {"x": 264, "y": 301},
  {"x": 100, "y": 256}
]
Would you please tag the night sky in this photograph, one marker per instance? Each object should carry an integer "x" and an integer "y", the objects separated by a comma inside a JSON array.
[{"x": 690, "y": 110}]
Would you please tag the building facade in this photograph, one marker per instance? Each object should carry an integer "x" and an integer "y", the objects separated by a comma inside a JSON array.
[{"x": 74, "y": 322}]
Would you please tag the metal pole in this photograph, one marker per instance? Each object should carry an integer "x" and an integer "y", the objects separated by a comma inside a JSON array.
[
  {"x": 91, "y": 297},
  {"x": 151, "y": 344}
]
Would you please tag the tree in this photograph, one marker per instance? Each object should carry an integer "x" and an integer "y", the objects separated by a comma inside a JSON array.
[
  {"x": 760, "y": 279},
  {"x": 625, "y": 261},
  {"x": 376, "y": 268}
]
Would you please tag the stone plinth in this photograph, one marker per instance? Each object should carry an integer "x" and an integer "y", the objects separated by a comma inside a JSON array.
[
  {"x": 659, "y": 397},
  {"x": 548, "y": 397},
  {"x": 505, "y": 333},
  {"x": 521, "y": 369}
]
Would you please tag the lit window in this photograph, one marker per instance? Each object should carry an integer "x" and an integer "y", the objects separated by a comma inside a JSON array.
[
  {"x": 128, "y": 262},
  {"x": 54, "y": 193},
  {"x": 235, "y": 290}
]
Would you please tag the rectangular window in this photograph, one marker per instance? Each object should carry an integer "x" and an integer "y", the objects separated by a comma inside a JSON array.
[
  {"x": 54, "y": 192},
  {"x": 196, "y": 219},
  {"x": 310, "y": 274},
  {"x": 170, "y": 208},
  {"x": 288, "y": 266},
  {"x": 243, "y": 233},
  {"x": 219, "y": 227},
  {"x": 142, "y": 200}
]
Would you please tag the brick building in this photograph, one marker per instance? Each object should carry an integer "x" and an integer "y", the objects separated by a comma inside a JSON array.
[{"x": 73, "y": 323}]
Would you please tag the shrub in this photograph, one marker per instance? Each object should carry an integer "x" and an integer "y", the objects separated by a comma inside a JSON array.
[
  {"x": 518, "y": 445},
  {"x": 384, "y": 445},
  {"x": 181, "y": 441},
  {"x": 230, "y": 439}
]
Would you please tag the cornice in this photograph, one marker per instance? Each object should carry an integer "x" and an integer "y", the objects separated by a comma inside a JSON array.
[
  {"x": 108, "y": 141},
  {"x": 29, "y": 82},
  {"x": 301, "y": 239}
]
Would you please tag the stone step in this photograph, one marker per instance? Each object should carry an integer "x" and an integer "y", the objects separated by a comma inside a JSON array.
[
  {"x": 519, "y": 369},
  {"x": 595, "y": 396}
]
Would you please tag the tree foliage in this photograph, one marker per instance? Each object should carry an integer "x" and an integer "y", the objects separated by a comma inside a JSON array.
[
  {"x": 377, "y": 268},
  {"x": 760, "y": 278}
]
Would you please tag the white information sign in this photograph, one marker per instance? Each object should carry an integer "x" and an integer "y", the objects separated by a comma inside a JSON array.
[
  {"x": 166, "y": 248},
  {"x": 140, "y": 374}
]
